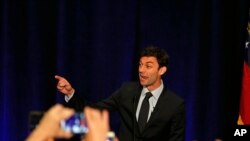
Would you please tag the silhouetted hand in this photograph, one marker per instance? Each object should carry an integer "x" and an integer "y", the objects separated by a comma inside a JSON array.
[
  {"x": 49, "y": 127},
  {"x": 98, "y": 124}
]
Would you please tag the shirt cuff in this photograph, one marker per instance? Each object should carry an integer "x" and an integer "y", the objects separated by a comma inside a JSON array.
[{"x": 67, "y": 98}]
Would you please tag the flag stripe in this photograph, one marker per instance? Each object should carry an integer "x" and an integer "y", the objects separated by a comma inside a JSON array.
[
  {"x": 245, "y": 97},
  {"x": 244, "y": 114}
]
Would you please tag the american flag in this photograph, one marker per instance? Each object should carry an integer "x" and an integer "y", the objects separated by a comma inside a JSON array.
[{"x": 244, "y": 115}]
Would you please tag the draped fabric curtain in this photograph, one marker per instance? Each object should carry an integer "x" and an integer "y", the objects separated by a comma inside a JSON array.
[{"x": 95, "y": 45}]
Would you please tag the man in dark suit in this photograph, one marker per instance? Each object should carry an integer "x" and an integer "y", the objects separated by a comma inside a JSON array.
[{"x": 163, "y": 118}]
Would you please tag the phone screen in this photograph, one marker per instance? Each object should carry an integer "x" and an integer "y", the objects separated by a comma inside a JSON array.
[{"x": 76, "y": 124}]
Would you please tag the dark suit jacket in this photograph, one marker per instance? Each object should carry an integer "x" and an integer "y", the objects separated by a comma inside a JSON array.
[{"x": 166, "y": 123}]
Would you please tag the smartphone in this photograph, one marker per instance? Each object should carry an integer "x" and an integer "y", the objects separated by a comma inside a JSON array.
[{"x": 76, "y": 124}]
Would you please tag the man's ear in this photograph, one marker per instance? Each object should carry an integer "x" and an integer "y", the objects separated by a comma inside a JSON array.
[{"x": 163, "y": 70}]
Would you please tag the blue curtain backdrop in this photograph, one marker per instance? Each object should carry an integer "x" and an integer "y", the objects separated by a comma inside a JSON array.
[{"x": 95, "y": 43}]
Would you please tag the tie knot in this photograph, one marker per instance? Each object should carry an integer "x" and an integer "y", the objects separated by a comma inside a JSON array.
[{"x": 148, "y": 95}]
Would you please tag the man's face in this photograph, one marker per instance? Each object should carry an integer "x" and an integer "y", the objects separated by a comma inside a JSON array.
[{"x": 149, "y": 72}]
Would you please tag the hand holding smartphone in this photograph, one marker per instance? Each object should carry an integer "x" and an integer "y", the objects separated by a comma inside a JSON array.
[{"x": 76, "y": 124}]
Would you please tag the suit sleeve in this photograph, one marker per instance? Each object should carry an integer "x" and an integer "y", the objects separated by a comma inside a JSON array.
[
  {"x": 77, "y": 102},
  {"x": 111, "y": 103},
  {"x": 178, "y": 124}
]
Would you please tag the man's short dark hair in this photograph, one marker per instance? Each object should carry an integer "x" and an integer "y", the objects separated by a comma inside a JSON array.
[{"x": 160, "y": 54}]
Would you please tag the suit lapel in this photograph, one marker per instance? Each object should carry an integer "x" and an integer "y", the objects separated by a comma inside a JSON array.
[
  {"x": 135, "y": 103},
  {"x": 136, "y": 98}
]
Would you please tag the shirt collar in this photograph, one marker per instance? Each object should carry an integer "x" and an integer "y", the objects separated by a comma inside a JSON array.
[{"x": 156, "y": 93}]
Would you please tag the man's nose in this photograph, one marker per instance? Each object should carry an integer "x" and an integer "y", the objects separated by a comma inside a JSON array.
[{"x": 141, "y": 69}]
